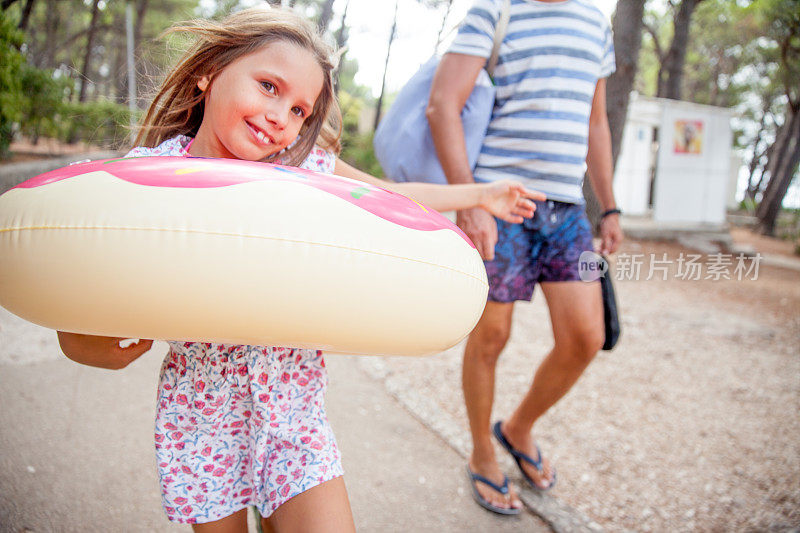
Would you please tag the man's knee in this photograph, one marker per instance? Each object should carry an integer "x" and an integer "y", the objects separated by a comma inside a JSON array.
[
  {"x": 584, "y": 344},
  {"x": 489, "y": 339}
]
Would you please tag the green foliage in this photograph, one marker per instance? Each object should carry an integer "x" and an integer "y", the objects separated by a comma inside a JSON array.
[
  {"x": 102, "y": 122},
  {"x": 357, "y": 151},
  {"x": 11, "y": 91},
  {"x": 43, "y": 104},
  {"x": 356, "y": 147}
]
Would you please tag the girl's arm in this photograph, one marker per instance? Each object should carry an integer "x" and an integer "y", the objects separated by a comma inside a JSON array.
[
  {"x": 102, "y": 352},
  {"x": 506, "y": 199}
]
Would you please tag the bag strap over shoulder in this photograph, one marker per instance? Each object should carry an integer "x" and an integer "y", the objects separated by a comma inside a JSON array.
[{"x": 499, "y": 35}]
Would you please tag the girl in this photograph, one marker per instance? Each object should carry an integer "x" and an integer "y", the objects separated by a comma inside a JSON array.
[{"x": 245, "y": 425}]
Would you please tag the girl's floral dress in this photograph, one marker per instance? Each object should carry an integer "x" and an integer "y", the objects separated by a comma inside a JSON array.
[{"x": 240, "y": 425}]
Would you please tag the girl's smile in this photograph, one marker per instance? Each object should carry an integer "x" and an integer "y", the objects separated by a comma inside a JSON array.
[{"x": 256, "y": 106}]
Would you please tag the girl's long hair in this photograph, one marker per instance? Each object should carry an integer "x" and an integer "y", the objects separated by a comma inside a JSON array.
[{"x": 177, "y": 108}]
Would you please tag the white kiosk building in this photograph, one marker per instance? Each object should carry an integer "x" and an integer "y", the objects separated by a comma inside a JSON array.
[{"x": 675, "y": 164}]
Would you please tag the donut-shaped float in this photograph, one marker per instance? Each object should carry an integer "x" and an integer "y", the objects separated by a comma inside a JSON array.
[{"x": 216, "y": 250}]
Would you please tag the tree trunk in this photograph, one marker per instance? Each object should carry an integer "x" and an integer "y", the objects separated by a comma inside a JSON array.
[
  {"x": 672, "y": 66},
  {"x": 627, "y": 26},
  {"x": 141, "y": 11},
  {"x": 325, "y": 16},
  {"x": 444, "y": 21},
  {"x": 752, "y": 188},
  {"x": 51, "y": 25},
  {"x": 782, "y": 166},
  {"x": 88, "y": 54},
  {"x": 392, "y": 35},
  {"x": 341, "y": 41},
  {"x": 26, "y": 15}
]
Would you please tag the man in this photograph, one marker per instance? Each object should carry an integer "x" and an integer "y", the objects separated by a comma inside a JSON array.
[{"x": 548, "y": 125}]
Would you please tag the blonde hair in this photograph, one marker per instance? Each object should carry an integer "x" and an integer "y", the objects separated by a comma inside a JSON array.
[{"x": 177, "y": 107}]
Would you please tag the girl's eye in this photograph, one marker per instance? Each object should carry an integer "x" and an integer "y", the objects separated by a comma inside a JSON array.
[
  {"x": 268, "y": 86},
  {"x": 299, "y": 112}
]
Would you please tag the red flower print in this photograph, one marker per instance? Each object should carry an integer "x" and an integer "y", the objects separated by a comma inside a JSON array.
[
  {"x": 199, "y": 386},
  {"x": 199, "y": 498},
  {"x": 316, "y": 445},
  {"x": 208, "y": 410},
  {"x": 208, "y": 468},
  {"x": 272, "y": 496},
  {"x": 206, "y": 451},
  {"x": 187, "y": 510},
  {"x": 170, "y": 426},
  {"x": 198, "y": 404},
  {"x": 280, "y": 480},
  {"x": 186, "y": 469},
  {"x": 217, "y": 457},
  {"x": 246, "y": 492},
  {"x": 247, "y": 414},
  {"x": 285, "y": 377},
  {"x": 242, "y": 370},
  {"x": 305, "y": 439},
  {"x": 302, "y": 382},
  {"x": 285, "y": 490},
  {"x": 263, "y": 397},
  {"x": 219, "y": 472},
  {"x": 297, "y": 473},
  {"x": 263, "y": 378},
  {"x": 159, "y": 437},
  {"x": 181, "y": 399},
  {"x": 237, "y": 424},
  {"x": 167, "y": 386},
  {"x": 180, "y": 500},
  {"x": 176, "y": 435}
]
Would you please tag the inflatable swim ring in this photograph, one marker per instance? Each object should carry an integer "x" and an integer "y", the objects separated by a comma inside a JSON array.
[{"x": 237, "y": 252}]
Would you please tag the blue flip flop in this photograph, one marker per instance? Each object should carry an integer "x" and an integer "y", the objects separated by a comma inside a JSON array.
[
  {"x": 483, "y": 502},
  {"x": 519, "y": 457}
]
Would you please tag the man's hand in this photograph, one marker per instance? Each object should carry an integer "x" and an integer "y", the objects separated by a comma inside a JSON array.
[
  {"x": 101, "y": 352},
  {"x": 481, "y": 228},
  {"x": 610, "y": 234}
]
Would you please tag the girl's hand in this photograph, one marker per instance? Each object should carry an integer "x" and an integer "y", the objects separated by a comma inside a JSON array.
[
  {"x": 101, "y": 352},
  {"x": 509, "y": 200}
]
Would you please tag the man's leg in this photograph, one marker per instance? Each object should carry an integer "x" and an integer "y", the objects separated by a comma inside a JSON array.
[
  {"x": 576, "y": 312},
  {"x": 480, "y": 357}
]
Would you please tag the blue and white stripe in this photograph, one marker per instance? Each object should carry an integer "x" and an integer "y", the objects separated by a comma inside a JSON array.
[{"x": 550, "y": 61}]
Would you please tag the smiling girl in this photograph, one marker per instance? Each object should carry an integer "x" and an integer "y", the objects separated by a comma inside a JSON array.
[{"x": 245, "y": 425}]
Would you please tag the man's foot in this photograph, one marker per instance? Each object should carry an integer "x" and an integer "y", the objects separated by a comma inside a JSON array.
[
  {"x": 492, "y": 495},
  {"x": 534, "y": 468}
]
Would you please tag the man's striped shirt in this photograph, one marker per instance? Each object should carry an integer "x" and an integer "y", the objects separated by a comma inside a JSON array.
[{"x": 550, "y": 61}]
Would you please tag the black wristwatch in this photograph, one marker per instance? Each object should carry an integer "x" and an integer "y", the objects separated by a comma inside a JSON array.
[{"x": 615, "y": 211}]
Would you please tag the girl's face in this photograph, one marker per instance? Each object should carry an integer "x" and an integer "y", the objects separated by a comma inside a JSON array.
[{"x": 256, "y": 105}]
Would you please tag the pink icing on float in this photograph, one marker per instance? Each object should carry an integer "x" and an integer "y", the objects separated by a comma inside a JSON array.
[{"x": 195, "y": 172}]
